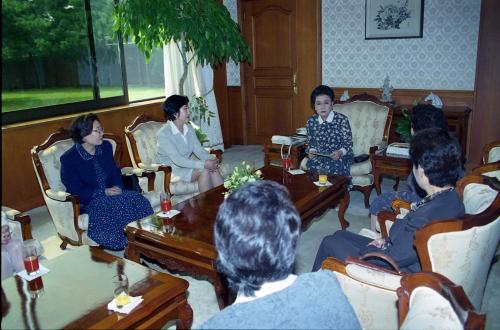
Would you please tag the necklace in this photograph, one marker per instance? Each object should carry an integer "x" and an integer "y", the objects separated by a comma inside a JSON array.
[{"x": 428, "y": 198}]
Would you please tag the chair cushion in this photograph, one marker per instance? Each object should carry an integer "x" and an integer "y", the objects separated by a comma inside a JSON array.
[
  {"x": 50, "y": 159},
  {"x": 362, "y": 180},
  {"x": 429, "y": 310},
  {"x": 367, "y": 120},
  {"x": 465, "y": 256},
  {"x": 478, "y": 197},
  {"x": 493, "y": 155},
  {"x": 375, "y": 307},
  {"x": 145, "y": 136},
  {"x": 361, "y": 168}
]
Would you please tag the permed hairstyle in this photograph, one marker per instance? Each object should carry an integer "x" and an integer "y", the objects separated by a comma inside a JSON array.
[
  {"x": 256, "y": 233},
  {"x": 82, "y": 126},
  {"x": 438, "y": 153},
  {"x": 173, "y": 104},
  {"x": 321, "y": 90},
  {"x": 427, "y": 116}
]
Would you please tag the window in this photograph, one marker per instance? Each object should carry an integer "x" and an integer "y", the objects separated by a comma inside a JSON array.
[{"x": 61, "y": 57}]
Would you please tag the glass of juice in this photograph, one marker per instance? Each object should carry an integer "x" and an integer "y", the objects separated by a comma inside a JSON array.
[
  {"x": 287, "y": 162},
  {"x": 322, "y": 177},
  {"x": 30, "y": 255},
  {"x": 165, "y": 202},
  {"x": 121, "y": 294}
]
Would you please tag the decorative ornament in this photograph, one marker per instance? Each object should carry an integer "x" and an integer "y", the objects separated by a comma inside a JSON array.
[{"x": 386, "y": 90}]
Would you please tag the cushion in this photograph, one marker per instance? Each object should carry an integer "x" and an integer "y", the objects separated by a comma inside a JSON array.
[
  {"x": 429, "y": 310},
  {"x": 478, "y": 197},
  {"x": 145, "y": 137},
  {"x": 493, "y": 155},
  {"x": 367, "y": 120}
]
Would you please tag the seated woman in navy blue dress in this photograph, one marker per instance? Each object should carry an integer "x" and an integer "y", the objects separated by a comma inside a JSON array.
[
  {"x": 436, "y": 158},
  {"x": 88, "y": 170},
  {"x": 328, "y": 134},
  {"x": 422, "y": 116}
]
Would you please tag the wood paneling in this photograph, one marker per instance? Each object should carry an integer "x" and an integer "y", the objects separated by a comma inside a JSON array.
[
  {"x": 235, "y": 114},
  {"x": 20, "y": 189},
  {"x": 407, "y": 96},
  {"x": 486, "y": 114}
]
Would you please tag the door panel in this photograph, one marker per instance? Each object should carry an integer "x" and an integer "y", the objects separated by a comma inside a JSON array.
[{"x": 271, "y": 103}]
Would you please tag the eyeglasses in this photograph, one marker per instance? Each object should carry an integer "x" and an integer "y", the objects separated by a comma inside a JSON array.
[{"x": 99, "y": 130}]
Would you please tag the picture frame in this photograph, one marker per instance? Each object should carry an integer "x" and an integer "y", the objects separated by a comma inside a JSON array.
[{"x": 394, "y": 19}]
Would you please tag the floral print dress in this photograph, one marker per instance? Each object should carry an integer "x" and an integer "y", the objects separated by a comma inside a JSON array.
[{"x": 327, "y": 137}]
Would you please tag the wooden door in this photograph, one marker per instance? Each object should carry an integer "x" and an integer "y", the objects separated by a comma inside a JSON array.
[{"x": 284, "y": 42}]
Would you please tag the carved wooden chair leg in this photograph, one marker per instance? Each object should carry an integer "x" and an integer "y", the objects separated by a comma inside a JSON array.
[{"x": 64, "y": 243}]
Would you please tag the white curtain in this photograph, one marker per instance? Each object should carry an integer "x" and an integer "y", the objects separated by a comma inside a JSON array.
[{"x": 199, "y": 82}]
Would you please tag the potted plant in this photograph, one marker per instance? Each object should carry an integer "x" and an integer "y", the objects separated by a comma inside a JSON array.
[
  {"x": 200, "y": 114},
  {"x": 403, "y": 125}
]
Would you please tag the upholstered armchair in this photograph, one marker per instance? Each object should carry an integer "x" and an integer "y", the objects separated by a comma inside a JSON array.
[
  {"x": 141, "y": 143},
  {"x": 371, "y": 291},
  {"x": 440, "y": 244},
  {"x": 64, "y": 208},
  {"x": 491, "y": 152},
  {"x": 431, "y": 301},
  {"x": 19, "y": 223},
  {"x": 370, "y": 122}
]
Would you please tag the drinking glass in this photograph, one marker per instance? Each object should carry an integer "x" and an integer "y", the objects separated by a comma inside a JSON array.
[
  {"x": 121, "y": 293},
  {"x": 35, "y": 287},
  {"x": 287, "y": 162},
  {"x": 30, "y": 255},
  {"x": 322, "y": 177},
  {"x": 165, "y": 203}
]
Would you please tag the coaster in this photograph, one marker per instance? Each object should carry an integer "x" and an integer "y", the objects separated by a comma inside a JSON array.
[
  {"x": 295, "y": 172},
  {"x": 134, "y": 302},
  {"x": 42, "y": 271},
  {"x": 169, "y": 214},
  {"x": 327, "y": 184}
]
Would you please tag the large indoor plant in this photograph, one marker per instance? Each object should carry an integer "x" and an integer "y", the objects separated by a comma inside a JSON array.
[
  {"x": 403, "y": 125},
  {"x": 201, "y": 29}
]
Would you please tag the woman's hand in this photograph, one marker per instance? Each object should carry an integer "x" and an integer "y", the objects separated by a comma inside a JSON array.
[
  {"x": 336, "y": 155},
  {"x": 379, "y": 242},
  {"x": 212, "y": 164},
  {"x": 113, "y": 191},
  {"x": 312, "y": 153}
]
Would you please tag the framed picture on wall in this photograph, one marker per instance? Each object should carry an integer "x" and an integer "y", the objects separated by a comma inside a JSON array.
[{"x": 394, "y": 19}]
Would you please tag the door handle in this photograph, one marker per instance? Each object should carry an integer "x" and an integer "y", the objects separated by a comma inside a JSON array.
[{"x": 294, "y": 84}]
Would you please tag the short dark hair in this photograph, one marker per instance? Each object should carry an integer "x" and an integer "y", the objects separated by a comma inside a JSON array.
[
  {"x": 322, "y": 90},
  {"x": 256, "y": 233},
  {"x": 173, "y": 104},
  {"x": 82, "y": 126},
  {"x": 438, "y": 153},
  {"x": 427, "y": 116}
]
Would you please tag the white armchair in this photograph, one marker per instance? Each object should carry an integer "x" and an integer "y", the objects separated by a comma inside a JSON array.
[
  {"x": 64, "y": 208},
  {"x": 463, "y": 249},
  {"x": 19, "y": 223},
  {"x": 141, "y": 137},
  {"x": 371, "y": 291},
  {"x": 370, "y": 121},
  {"x": 431, "y": 301}
]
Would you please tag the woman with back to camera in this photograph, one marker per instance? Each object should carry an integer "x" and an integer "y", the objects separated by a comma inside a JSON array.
[
  {"x": 329, "y": 136},
  {"x": 256, "y": 234},
  {"x": 177, "y": 141},
  {"x": 88, "y": 170},
  {"x": 436, "y": 158}
]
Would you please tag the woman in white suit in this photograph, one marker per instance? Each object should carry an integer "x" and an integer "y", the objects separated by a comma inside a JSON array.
[{"x": 177, "y": 141}]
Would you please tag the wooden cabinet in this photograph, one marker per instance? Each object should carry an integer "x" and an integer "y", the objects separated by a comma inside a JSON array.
[{"x": 458, "y": 122}]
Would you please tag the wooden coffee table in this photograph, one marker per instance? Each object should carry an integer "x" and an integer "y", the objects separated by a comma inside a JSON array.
[
  {"x": 78, "y": 288},
  {"x": 185, "y": 242}
]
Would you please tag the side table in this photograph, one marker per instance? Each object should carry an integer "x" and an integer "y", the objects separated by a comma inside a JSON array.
[
  {"x": 383, "y": 164},
  {"x": 272, "y": 153}
]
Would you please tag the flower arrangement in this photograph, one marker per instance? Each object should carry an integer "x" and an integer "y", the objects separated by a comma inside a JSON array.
[{"x": 241, "y": 175}]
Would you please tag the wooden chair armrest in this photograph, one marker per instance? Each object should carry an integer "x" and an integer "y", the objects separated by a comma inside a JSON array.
[
  {"x": 384, "y": 257},
  {"x": 218, "y": 153},
  {"x": 382, "y": 217},
  {"x": 25, "y": 222},
  {"x": 398, "y": 204}
]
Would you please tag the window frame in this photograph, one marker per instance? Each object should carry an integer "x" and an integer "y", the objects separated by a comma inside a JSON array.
[{"x": 51, "y": 111}]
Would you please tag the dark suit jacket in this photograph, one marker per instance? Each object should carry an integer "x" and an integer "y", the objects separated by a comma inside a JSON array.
[
  {"x": 400, "y": 242},
  {"x": 79, "y": 175}
]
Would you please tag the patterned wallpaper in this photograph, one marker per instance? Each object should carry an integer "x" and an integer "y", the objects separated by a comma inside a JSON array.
[{"x": 445, "y": 58}]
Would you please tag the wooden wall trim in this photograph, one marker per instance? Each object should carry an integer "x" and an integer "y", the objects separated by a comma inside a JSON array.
[
  {"x": 406, "y": 96},
  {"x": 20, "y": 189}
]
